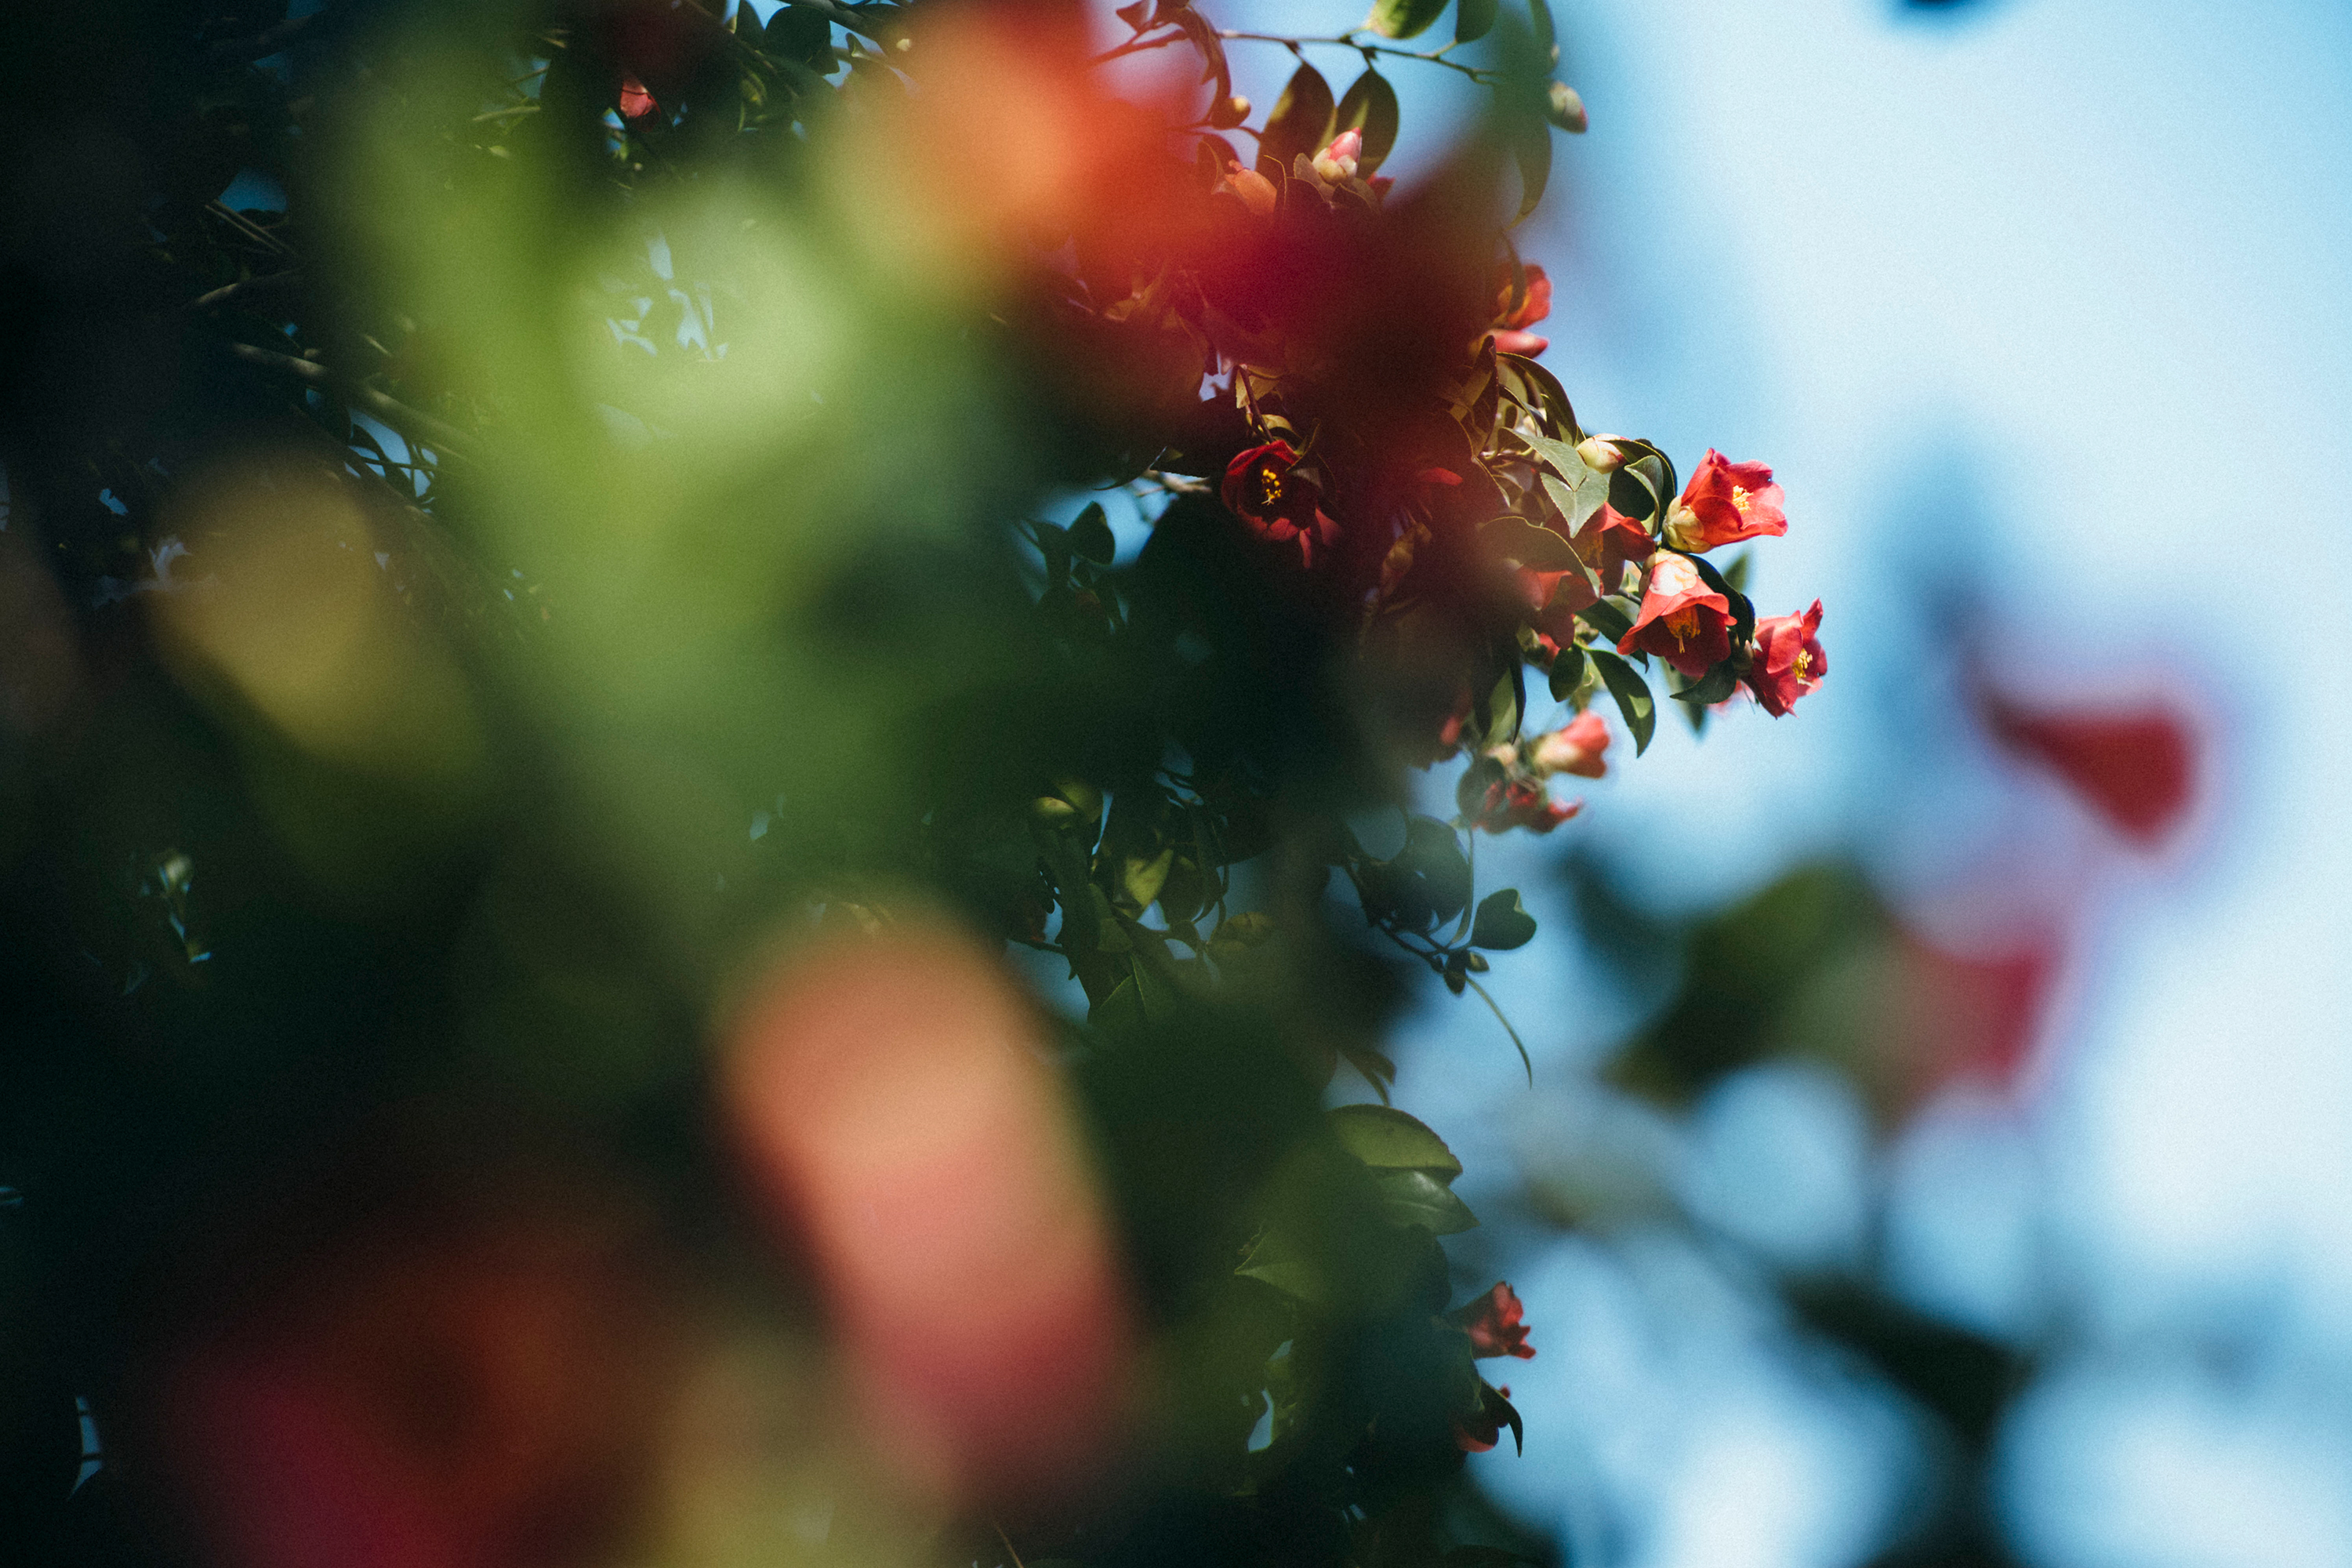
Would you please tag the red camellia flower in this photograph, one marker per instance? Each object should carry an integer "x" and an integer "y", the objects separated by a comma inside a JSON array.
[
  {"x": 1576, "y": 748},
  {"x": 1261, "y": 489},
  {"x": 1511, "y": 335},
  {"x": 1492, "y": 1324},
  {"x": 1683, "y": 620},
  {"x": 2135, "y": 766},
  {"x": 635, "y": 102},
  {"x": 1789, "y": 659},
  {"x": 1724, "y": 503}
]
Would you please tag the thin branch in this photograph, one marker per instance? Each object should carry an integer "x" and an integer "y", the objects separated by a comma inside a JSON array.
[
  {"x": 268, "y": 284},
  {"x": 1137, "y": 44},
  {"x": 1351, "y": 42},
  {"x": 1499, "y": 1019},
  {"x": 246, "y": 227},
  {"x": 420, "y": 427},
  {"x": 272, "y": 40}
]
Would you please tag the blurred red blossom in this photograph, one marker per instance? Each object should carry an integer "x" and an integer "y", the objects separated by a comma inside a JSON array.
[
  {"x": 1511, "y": 321},
  {"x": 1577, "y": 747},
  {"x": 1262, "y": 487},
  {"x": 2135, "y": 766},
  {"x": 1493, "y": 1323}
]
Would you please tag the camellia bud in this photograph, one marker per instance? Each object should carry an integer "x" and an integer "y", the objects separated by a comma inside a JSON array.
[
  {"x": 1255, "y": 189},
  {"x": 1238, "y": 107},
  {"x": 1337, "y": 162},
  {"x": 1564, "y": 109},
  {"x": 1601, "y": 453}
]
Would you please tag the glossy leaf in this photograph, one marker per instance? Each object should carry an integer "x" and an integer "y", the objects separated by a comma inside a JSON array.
[
  {"x": 1403, "y": 18},
  {"x": 1300, "y": 125},
  {"x": 1503, "y": 923},
  {"x": 1388, "y": 1140},
  {"x": 1633, "y": 694},
  {"x": 1369, "y": 107},
  {"x": 1568, "y": 672},
  {"x": 1604, "y": 616},
  {"x": 1416, "y": 1197}
]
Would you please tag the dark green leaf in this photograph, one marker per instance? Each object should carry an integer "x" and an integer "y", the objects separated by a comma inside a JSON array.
[
  {"x": 1388, "y": 1140},
  {"x": 1529, "y": 545},
  {"x": 1567, "y": 672},
  {"x": 1503, "y": 923},
  {"x": 1403, "y": 18},
  {"x": 1370, "y": 108},
  {"x": 1275, "y": 1259},
  {"x": 1432, "y": 849},
  {"x": 1300, "y": 125},
  {"x": 1416, "y": 1197},
  {"x": 1532, "y": 150},
  {"x": 1540, "y": 24},
  {"x": 1470, "y": 790},
  {"x": 1604, "y": 616},
  {"x": 1474, "y": 19},
  {"x": 1090, "y": 534},
  {"x": 1633, "y": 695},
  {"x": 1713, "y": 686},
  {"x": 1736, "y": 574},
  {"x": 1557, "y": 416}
]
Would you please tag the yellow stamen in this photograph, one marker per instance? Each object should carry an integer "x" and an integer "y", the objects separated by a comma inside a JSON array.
[
  {"x": 1741, "y": 499},
  {"x": 1683, "y": 624},
  {"x": 1803, "y": 663}
]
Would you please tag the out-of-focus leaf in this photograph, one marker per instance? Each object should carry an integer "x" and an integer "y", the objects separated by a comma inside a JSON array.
[
  {"x": 1369, "y": 107},
  {"x": 1503, "y": 923},
  {"x": 1274, "y": 1260},
  {"x": 1474, "y": 19},
  {"x": 1090, "y": 534},
  {"x": 1532, "y": 150},
  {"x": 1300, "y": 125},
  {"x": 1403, "y": 18},
  {"x": 1388, "y": 1140},
  {"x": 1416, "y": 1197}
]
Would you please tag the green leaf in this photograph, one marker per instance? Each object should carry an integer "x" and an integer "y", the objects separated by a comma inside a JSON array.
[
  {"x": 1274, "y": 1260},
  {"x": 1416, "y": 1197},
  {"x": 1090, "y": 534},
  {"x": 1540, "y": 24},
  {"x": 1403, "y": 18},
  {"x": 1370, "y": 108},
  {"x": 1583, "y": 490},
  {"x": 1474, "y": 19},
  {"x": 1633, "y": 695},
  {"x": 1567, "y": 672},
  {"x": 1532, "y": 150},
  {"x": 1556, "y": 414},
  {"x": 1605, "y": 617},
  {"x": 1713, "y": 686},
  {"x": 1300, "y": 125},
  {"x": 1432, "y": 849},
  {"x": 1503, "y": 923},
  {"x": 1388, "y": 1140},
  {"x": 1529, "y": 544},
  {"x": 1119, "y": 1015}
]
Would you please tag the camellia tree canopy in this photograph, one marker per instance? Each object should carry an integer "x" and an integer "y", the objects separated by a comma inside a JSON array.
[{"x": 635, "y": 934}]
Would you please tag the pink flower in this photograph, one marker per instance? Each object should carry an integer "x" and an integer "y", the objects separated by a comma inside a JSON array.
[
  {"x": 1492, "y": 1324},
  {"x": 1682, "y": 621},
  {"x": 1723, "y": 503},
  {"x": 1337, "y": 161},
  {"x": 1575, "y": 748},
  {"x": 635, "y": 102},
  {"x": 1789, "y": 660},
  {"x": 1262, "y": 489}
]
